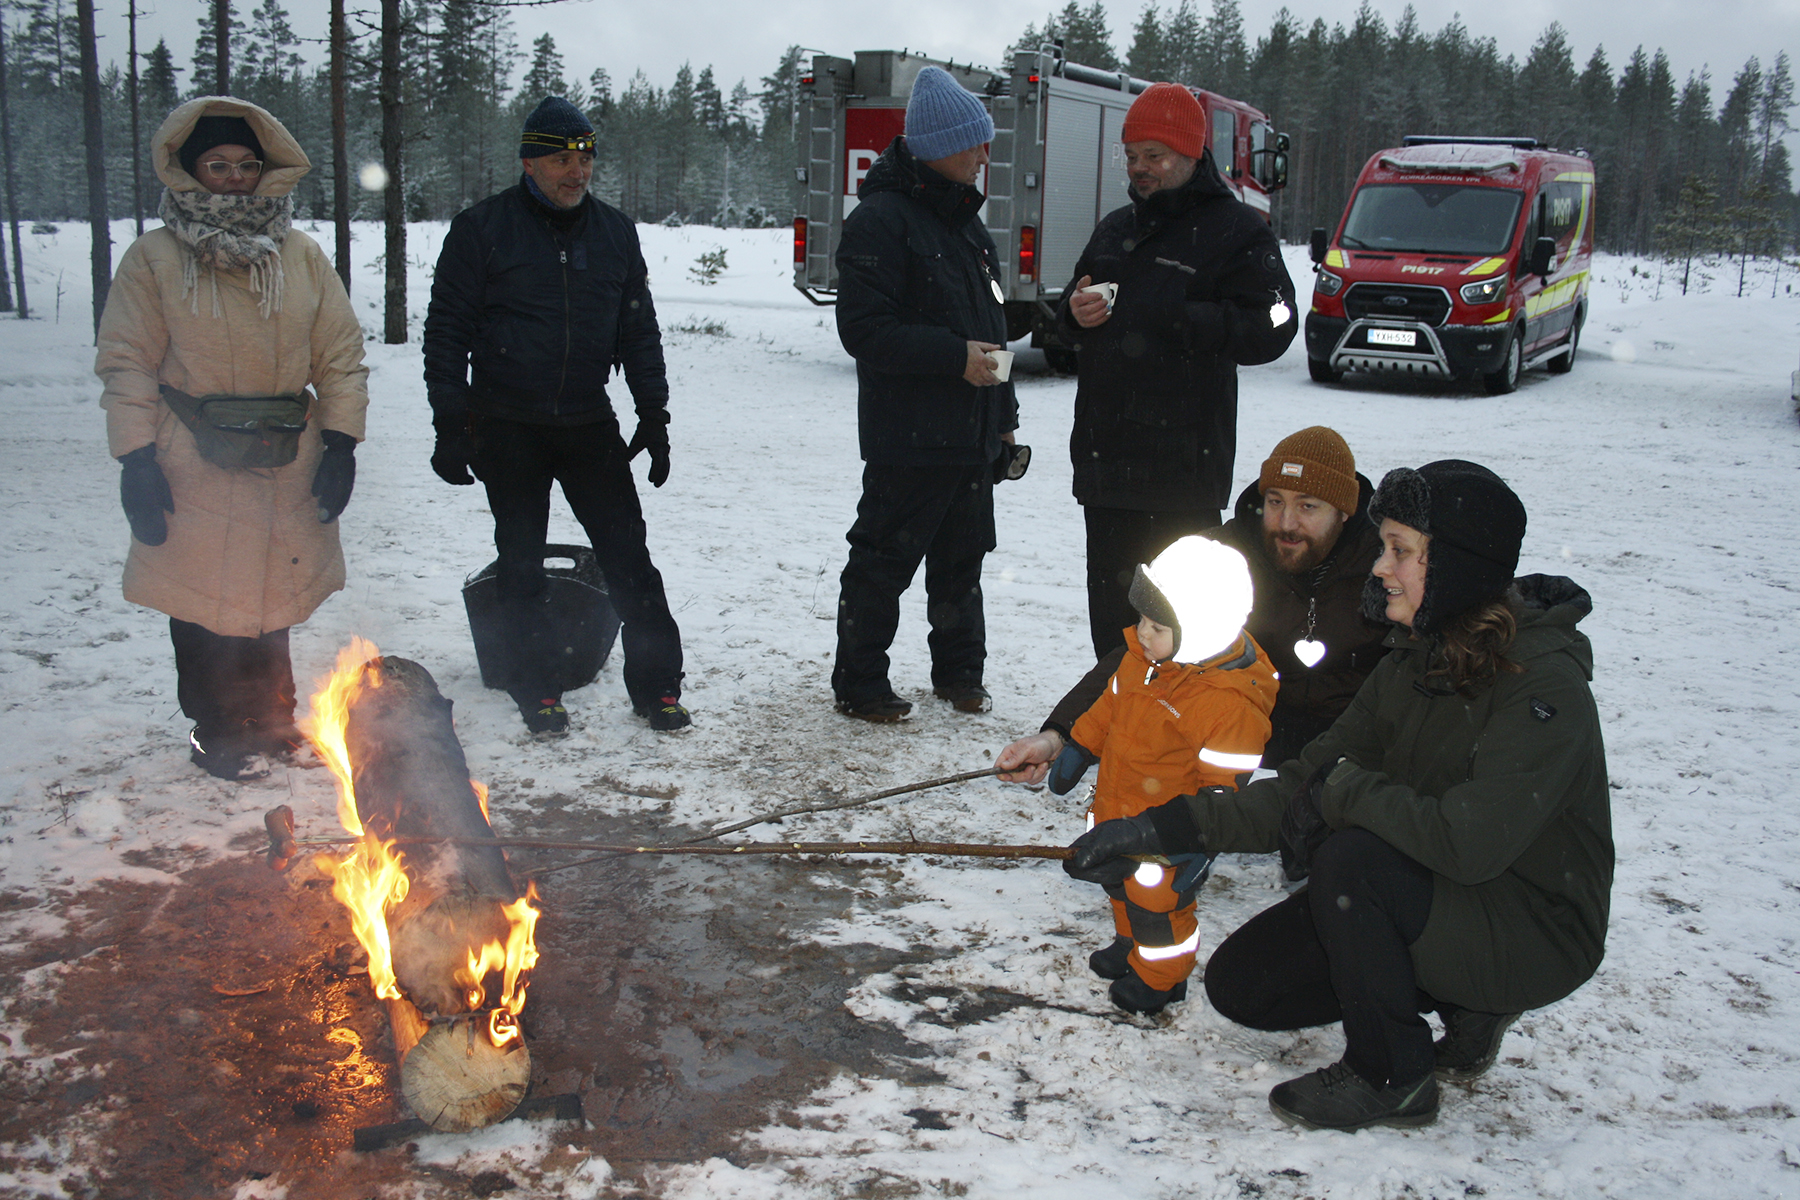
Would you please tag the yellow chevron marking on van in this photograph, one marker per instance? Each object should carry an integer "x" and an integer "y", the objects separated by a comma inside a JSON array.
[
  {"x": 1486, "y": 266},
  {"x": 1335, "y": 258},
  {"x": 1502, "y": 319},
  {"x": 1552, "y": 298}
]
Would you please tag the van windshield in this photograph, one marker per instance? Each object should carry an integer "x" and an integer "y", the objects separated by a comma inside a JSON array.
[{"x": 1431, "y": 218}]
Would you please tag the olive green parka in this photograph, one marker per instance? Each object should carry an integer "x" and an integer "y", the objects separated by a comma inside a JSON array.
[{"x": 1502, "y": 795}]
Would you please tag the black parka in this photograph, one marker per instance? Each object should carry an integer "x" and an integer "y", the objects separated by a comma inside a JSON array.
[
  {"x": 1503, "y": 796},
  {"x": 1326, "y": 599},
  {"x": 1199, "y": 272},
  {"x": 531, "y": 307},
  {"x": 1310, "y": 697},
  {"x": 914, "y": 288}
]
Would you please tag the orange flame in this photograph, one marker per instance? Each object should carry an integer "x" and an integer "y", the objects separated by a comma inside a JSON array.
[
  {"x": 371, "y": 880},
  {"x": 513, "y": 959}
]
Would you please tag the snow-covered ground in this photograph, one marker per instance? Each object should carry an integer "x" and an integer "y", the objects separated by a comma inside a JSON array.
[{"x": 1661, "y": 475}]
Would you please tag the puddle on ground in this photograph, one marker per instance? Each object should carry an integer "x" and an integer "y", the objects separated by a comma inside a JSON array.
[{"x": 678, "y": 996}]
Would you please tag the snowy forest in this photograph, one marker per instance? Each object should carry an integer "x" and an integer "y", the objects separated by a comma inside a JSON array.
[{"x": 1682, "y": 164}]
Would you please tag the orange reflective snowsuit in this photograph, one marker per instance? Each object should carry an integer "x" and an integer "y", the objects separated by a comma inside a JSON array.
[{"x": 1163, "y": 731}]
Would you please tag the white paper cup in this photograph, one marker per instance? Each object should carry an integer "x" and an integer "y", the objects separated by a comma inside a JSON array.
[
  {"x": 1109, "y": 291},
  {"x": 1002, "y": 364}
]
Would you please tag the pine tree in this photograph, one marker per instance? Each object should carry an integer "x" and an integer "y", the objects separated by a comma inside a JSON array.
[
  {"x": 1547, "y": 89},
  {"x": 1773, "y": 105},
  {"x": 1737, "y": 129},
  {"x": 1692, "y": 229},
  {"x": 1086, "y": 36},
  {"x": 1226, "y": 48},
  {"x": 709, "y": 103},
  {"x": 1146, "y": 59}
]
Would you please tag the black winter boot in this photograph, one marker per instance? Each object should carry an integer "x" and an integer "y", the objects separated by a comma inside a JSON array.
[
  {"x": 1110, "y": 963},
  {"x": 1135, "y": 996},
  {"x": 543, "y": 714},
  {"x": 1336, "y": 1097},
  {"x": 880, "y": 710},
  {"x": 227, "y": 754},
  {"x": 1471, "y": 1042}
]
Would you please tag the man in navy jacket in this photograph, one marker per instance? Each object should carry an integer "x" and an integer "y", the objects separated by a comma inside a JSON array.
[
  {"x": 1201, "y": 291},
  {"x": 919, "y": 309},
  {"x": 539, "y": 291}
]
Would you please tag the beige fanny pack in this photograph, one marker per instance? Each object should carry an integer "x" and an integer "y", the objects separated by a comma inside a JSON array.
[{"x": 243, "y": 432}]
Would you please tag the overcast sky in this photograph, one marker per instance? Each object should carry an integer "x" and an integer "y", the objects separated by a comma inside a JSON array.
[{"x": 745, "y": 38}]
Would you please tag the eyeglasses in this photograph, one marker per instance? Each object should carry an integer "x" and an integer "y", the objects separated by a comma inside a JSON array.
[{"x": 220, "y": 169}]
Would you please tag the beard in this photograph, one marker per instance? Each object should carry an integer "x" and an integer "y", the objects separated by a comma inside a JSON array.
[{"x": 1297, "y": 560}]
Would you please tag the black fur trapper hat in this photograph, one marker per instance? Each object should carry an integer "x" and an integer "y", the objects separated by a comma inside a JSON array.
[{"x": 1476, "y": 525}]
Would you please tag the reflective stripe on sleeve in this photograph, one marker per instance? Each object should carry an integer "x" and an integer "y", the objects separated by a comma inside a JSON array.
[{"x": 1230, "y": 762}]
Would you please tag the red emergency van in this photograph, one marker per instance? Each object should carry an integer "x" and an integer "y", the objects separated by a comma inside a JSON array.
[{"x": 1459, "y": 258}]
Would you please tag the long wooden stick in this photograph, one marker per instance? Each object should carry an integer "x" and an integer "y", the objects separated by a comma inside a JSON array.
[
  {"x": 284, "y": 846},
  {"x": 853, "y": 802}
]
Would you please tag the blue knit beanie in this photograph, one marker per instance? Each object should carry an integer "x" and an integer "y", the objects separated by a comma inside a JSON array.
[
  {"x": 555, "y": 126},
  {"x": 942, "y": 118}
]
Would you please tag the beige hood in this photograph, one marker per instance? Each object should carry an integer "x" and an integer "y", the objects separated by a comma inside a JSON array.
[{"x": 285, "y": 161}]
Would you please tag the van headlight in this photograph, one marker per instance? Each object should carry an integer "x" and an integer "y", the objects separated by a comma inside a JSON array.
[
  {"x": 1485, "y": 292},
  {"x": 1327, "y": 284}
]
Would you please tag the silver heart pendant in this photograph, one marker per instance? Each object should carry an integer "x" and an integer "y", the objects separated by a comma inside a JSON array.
[{"x": 1309, "y": 651}]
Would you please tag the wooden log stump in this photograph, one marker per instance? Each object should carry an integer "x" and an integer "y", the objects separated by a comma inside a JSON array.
[{"x": 412, "y": 781}]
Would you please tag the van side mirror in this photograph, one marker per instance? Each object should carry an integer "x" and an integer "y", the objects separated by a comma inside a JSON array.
[
  {"x": 1319, "y": 242},
  {"x": 1543, "y": 254}
]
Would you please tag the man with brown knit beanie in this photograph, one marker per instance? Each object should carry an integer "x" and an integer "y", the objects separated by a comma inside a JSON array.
[
  {"x": 1200, "y": 290},
  {"x": 1303, "y": 527}
]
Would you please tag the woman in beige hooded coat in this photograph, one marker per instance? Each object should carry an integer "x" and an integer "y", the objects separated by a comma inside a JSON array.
[{"x": 227, "y": 300}]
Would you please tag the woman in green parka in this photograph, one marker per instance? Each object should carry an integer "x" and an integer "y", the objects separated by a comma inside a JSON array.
[{"x": 1453, "y": 825}]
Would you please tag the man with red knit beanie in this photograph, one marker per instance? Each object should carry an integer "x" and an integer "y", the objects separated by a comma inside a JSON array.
[{"x": 1200, "y": 290}]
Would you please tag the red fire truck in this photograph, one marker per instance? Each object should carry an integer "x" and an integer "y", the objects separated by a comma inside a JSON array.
[
  {"x": 1458, "y": 258},
  {"x": 1057, "y": 165}
]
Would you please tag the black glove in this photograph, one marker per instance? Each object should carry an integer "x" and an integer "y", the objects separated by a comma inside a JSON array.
[
  {"x": 454, "y": 450},
  {"x": 144, "y": 491},
  {"x": 1303, "y": 827},
  {"x": 1069, "y": 766},
  {"x": 1100, "y": 853},
  {"x": 1013, "y": 462},
  {"x": 652, "y": 435},
  {"x": 336, "y": 475}
]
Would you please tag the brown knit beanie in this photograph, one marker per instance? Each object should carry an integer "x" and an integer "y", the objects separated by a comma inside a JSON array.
[
  {"x": 1316, "y": 462},
  {"x": 1167, "y": 113}
]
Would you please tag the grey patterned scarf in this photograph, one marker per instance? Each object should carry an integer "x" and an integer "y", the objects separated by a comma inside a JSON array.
[{"x": 230, "y": 233}]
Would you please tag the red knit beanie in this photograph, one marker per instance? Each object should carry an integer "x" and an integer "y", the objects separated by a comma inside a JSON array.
[{"x": 1167, "y": 113}]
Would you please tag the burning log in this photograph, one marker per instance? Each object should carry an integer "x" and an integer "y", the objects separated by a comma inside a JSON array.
[{"x": 443, "y": 921}]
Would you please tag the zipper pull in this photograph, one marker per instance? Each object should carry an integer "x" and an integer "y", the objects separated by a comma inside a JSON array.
[{"x": 563, "y": 257}]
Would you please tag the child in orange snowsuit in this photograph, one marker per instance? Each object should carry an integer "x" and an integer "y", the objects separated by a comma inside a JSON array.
[{"x": 1187, "y": 709}]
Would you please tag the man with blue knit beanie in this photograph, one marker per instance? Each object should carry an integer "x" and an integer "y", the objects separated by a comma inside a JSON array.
[
  {"x": 919, "y": 307},
  {"x": 540, "y": 292}
]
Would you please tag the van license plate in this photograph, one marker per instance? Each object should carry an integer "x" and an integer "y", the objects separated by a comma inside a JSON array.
[{"x": 1393, "y": 337}]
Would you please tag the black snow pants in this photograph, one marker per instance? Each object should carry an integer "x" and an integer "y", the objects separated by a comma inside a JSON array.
[
  {"x": 1118, "y": 539},
  {"x": 518, "y": 463},
  {"x": 223, "y": 681},
  {"x": 1337, "y": 951},
  {"x": 943, "y": 516}
]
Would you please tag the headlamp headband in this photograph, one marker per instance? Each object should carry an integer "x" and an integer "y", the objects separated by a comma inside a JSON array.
[{"x": 581, "y": 143}]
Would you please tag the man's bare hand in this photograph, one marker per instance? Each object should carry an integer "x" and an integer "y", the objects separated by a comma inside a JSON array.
[
  {"x": 1028, "y": 759},
  {"x": 980, "y": 369},
  {"x": 1088, "y": 308}
]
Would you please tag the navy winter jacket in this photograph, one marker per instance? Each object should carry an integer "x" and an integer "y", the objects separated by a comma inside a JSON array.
[
  {"x": 532, "y": 306},
  {"x": 914, "y": 272},
  {"x": 1199, "y": 273}
]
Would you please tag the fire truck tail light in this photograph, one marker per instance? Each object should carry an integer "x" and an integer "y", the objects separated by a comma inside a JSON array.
[
  {"x": 799, "y": 241},
  {"x": 1027, "y": 254}
]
